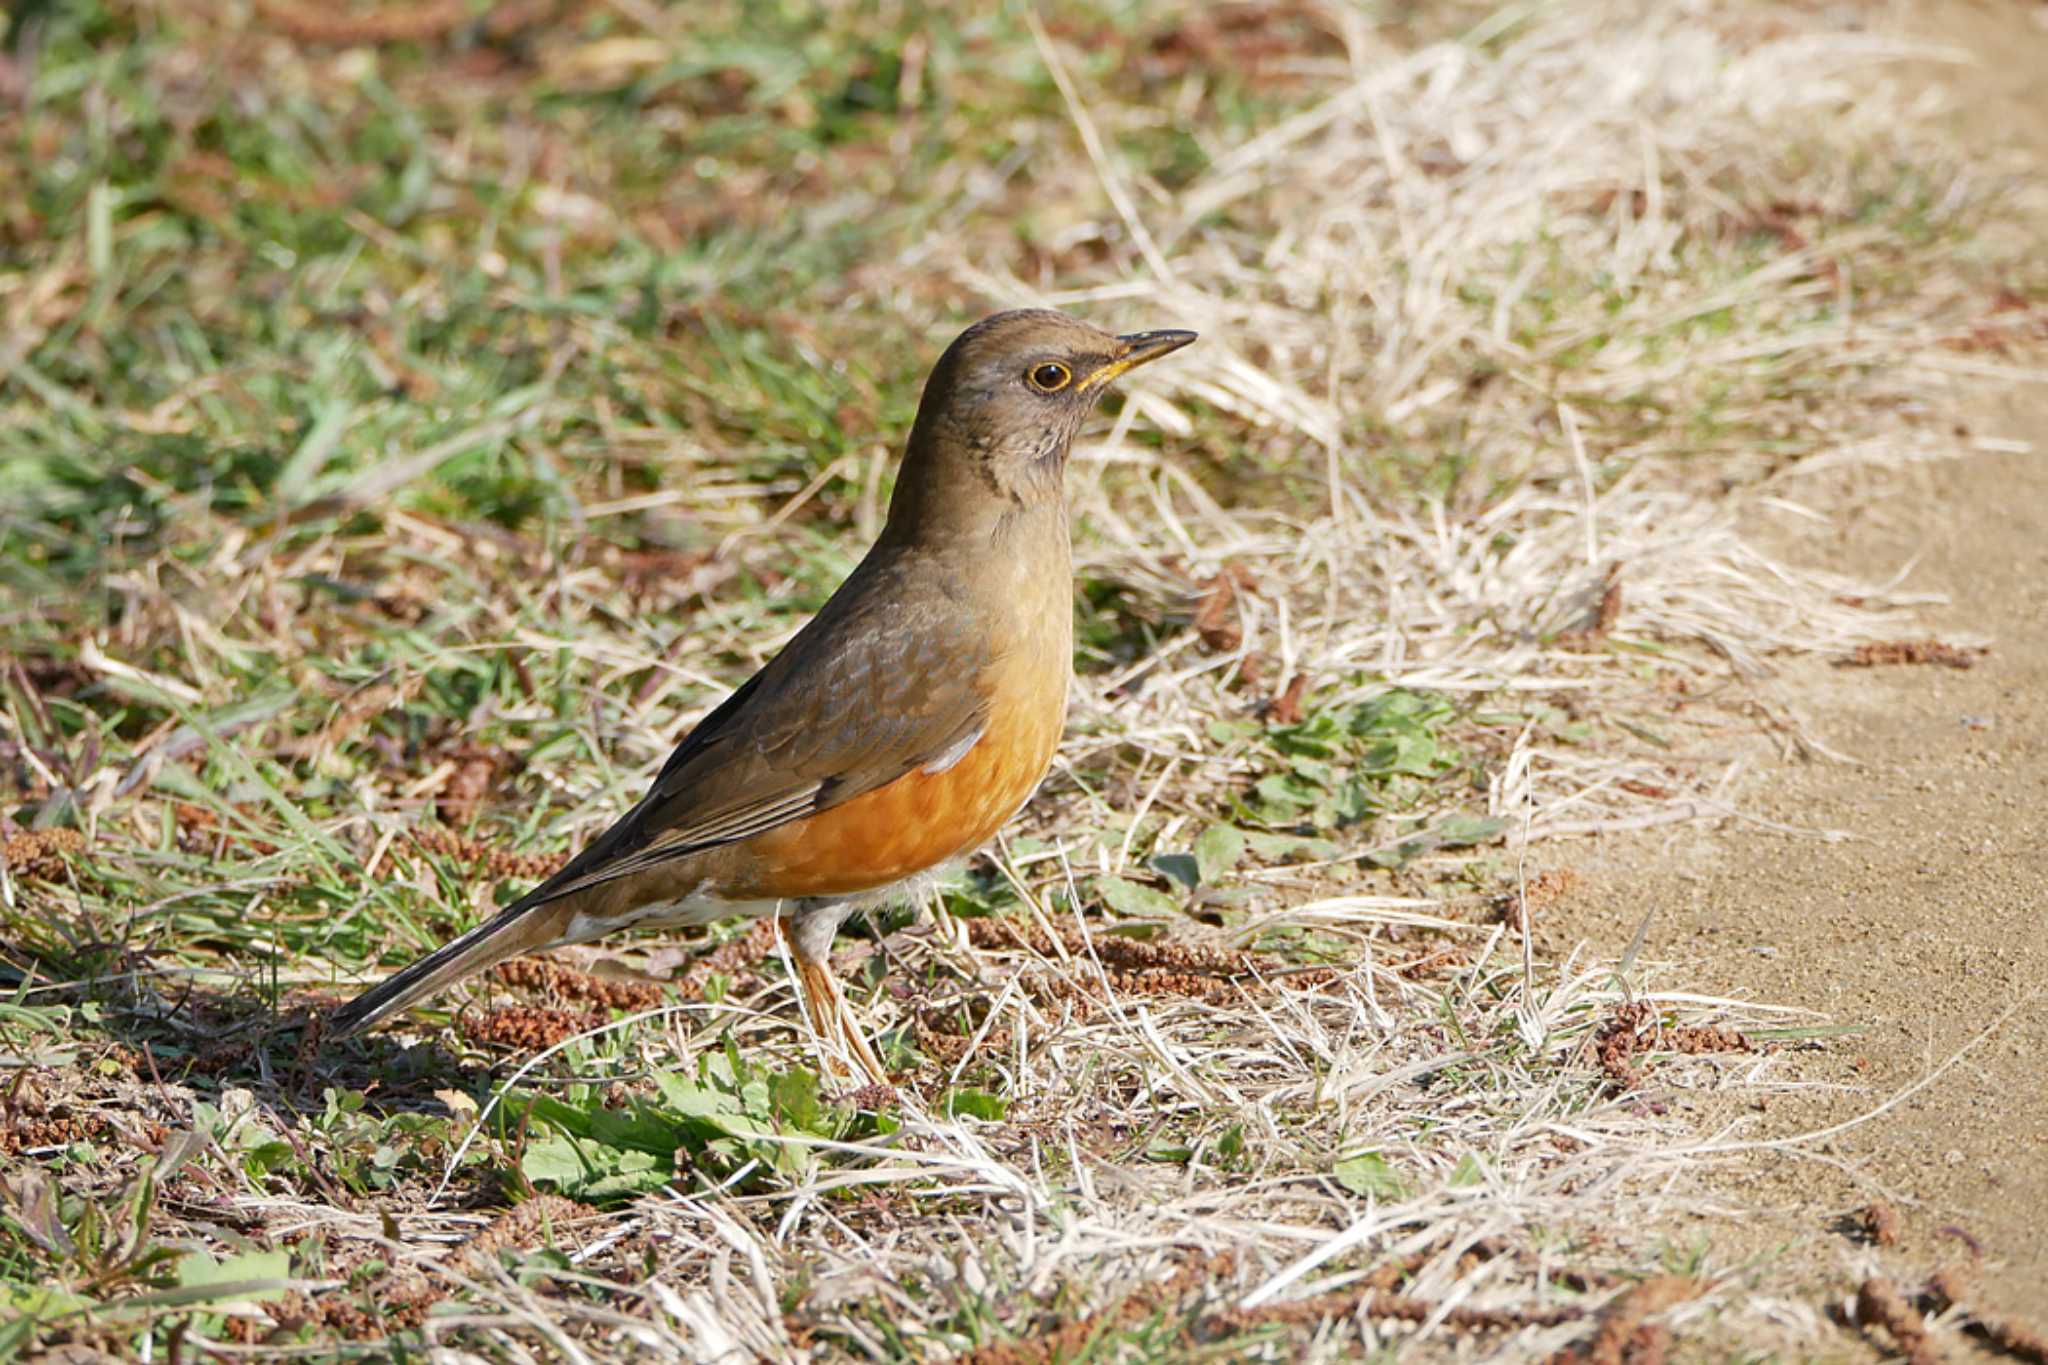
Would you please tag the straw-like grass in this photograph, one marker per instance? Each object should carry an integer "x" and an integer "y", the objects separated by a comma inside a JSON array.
[{"x": 393, "y": 443}]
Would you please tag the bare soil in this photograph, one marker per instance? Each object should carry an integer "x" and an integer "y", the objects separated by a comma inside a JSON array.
[{"x": 1932, "y": 922}]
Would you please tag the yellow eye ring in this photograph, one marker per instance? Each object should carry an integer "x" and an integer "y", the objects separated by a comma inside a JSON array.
[{"x": 1049, "y": 377}]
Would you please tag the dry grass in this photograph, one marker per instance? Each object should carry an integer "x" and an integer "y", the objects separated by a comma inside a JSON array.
[{"x": 1247, "y": 1040}]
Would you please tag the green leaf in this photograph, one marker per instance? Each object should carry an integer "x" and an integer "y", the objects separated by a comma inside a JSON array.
[
  {"x": 1415, "y": 755},
  {"x": 1217, "y": 851},
  {"x": 244, "y": 1277},
  {"x": 1369, "y": 1173},
  {"x": 721, "y": 1108},
  {"x": 1223, "y": 732},
  {"x": 1290, "y": 847},
  {"x": 1462, "y": 831},
  {"x": 591, "y": 1170},
  {"x": 977, "y": 1104},
  {"x": 1284, "y": 794},
  {"x": 1179, "y": 867},
  {"x": 1352, "y": 803},
  {"x": 1277, "y": 799},
  {"x": 38, "y": 1301},
  {"x": 1315, "y": 774},
  {"x": 557, "y": 1159},
  {"x": 1140, "y": 931},
  {"x": 1319, "y": 736},
  {"x": 794, "y": 1097},
  {"x": 1129, "y": 898},
  {"x": 1471, "y": 1171}
]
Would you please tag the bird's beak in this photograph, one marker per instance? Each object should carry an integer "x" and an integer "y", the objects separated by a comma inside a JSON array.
[{"x": 1139, "y": 348}]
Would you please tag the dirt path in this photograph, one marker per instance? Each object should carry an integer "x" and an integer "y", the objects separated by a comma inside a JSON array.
[{"x": 1934, "y": 921}]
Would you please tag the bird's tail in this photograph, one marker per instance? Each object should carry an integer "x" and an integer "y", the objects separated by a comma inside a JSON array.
[{"x": 523, "y": 927}]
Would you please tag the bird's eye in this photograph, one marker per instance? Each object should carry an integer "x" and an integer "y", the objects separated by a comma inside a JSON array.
[{"x": 1050, "y": 377}]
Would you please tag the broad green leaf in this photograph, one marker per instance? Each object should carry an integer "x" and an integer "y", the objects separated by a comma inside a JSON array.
[
  {"x": 1226, "y": 731},
  {"x": 1315, "y": 774},
  {"x": 1141, "y": 931},
  {"x": 1179, "y": 867},
  {"x": 246, "y": 1276},
  {"x": 591, "y": 1170},
  {"x": 979, "y": 1104},
  {"x": 36, "y": 1301},
  {"x": 1369, "y": 1173},
  {"x": 1318, "y": 737},
  {"x": 558, "y": 1159},
  {"x": 1416, "y": 755},
  {"x": 1461, "y": 831},
  {"x": 686, "y": 1096},
  {"x": 1217, "y": 851},
  {"x": 1290, "y": 847},
  {"x": 1129, "y": 898},
  {"x": 795, "y": 1097}
]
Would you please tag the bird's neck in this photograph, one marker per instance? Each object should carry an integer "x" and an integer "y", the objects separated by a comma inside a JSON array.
[
  {"x": 983, "y": 537},
  {"x": 952, "y": 499}
]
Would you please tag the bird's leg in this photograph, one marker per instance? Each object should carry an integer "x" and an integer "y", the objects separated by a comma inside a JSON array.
[
  {"x": 952, "y": 932},
  {"x": 808, "y": 936}
]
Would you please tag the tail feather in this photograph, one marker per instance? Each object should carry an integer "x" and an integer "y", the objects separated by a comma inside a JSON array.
[
  {"x": 533, "y": 921},
  {"x": 520, "y": 929}
]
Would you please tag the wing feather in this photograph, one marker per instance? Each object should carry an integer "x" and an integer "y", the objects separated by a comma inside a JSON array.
[{"x": 871, "y": 690}]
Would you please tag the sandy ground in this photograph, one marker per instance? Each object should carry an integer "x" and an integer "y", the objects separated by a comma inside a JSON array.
[{"x": 1932, "y": 922}]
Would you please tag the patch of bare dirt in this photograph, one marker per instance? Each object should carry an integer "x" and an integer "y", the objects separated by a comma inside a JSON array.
[{"x": 1931, "y": 922}]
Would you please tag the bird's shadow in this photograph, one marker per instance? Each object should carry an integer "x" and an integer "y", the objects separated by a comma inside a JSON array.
[{"x": 211, "y": 1039}]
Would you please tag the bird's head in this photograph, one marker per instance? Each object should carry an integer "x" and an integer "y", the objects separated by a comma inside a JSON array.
[{"x": 1003, "y": 405}]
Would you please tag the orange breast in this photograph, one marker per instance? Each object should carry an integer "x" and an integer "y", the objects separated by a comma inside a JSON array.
[{"x": 921, "y": 819}]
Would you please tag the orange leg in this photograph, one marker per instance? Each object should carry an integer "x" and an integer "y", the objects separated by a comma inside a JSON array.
[{"x": 823, "y": 1001}]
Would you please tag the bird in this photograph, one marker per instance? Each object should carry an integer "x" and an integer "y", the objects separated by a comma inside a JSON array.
[{"x": 897, "y": 731}]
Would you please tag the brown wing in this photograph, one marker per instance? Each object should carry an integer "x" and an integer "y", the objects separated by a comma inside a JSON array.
[{"x": 871, "y": 689}]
